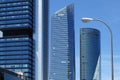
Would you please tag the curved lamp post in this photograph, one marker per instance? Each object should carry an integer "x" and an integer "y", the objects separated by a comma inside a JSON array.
[{"x": 85, "y": 20}]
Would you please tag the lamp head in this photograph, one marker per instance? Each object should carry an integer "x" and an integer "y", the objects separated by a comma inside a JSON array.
[{"x": 85, "y": 20}]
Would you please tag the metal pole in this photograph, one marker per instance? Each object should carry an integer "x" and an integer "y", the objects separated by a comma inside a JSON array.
[{"x": 111, "y": 46}]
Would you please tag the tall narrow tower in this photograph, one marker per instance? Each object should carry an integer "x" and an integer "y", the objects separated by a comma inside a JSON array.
[
  {"x": 89, "y": 54},
  {"x": 62, "y": 55}
]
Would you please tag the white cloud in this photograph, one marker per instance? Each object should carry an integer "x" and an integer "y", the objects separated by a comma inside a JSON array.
[{"x": 106, "y": 67}]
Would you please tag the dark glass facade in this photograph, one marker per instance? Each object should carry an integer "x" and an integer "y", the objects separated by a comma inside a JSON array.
[
  {"x": 16, "y": 43},
  {"x": 89, "y": 54},
  {"x": 62, "y": 55},
  {"x": 16, "y": 14},
  {"x": 8, "y": 75},
  {"x": 45, "y": 45}
]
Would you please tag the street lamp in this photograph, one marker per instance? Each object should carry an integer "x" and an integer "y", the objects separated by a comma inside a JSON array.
[{"x": 85, "y": 20}]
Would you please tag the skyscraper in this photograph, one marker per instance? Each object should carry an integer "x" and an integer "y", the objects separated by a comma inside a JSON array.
[
  {"x": 24, "y": 37},
  {"x": 17, "y": 26},
  {"x": 62, "y": 54},
  {"x": 89, "y": 54}
]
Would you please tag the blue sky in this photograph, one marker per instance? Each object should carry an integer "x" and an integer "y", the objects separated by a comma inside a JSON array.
[{"x": 106, "y": 10}]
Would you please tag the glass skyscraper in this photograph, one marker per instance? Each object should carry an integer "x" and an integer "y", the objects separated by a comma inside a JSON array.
[
  {"x": 17, "y": 51},
  {"x": 89, "y": 54},
  {"x": 62, "y": 54}
]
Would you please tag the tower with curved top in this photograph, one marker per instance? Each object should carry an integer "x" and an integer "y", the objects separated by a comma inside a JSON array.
[{"x": 89, "y": 54}]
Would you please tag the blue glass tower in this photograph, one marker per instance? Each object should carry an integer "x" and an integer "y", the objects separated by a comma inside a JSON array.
[
  {"x": 89, "y": 54},
  {"x": 16, "y": 40},
  {"x": 62, "y": 55}
]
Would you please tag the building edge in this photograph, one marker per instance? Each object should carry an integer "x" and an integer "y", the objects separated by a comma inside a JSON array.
[
  {"x": 41, "y": 39},
  {"x": 38, "y": 40}
]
